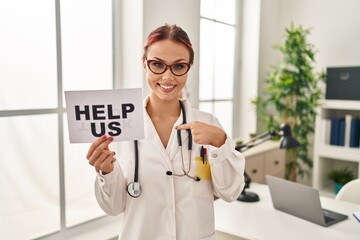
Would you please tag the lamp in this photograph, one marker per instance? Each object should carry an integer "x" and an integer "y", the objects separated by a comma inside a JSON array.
[{"x": 287, "y": 141}]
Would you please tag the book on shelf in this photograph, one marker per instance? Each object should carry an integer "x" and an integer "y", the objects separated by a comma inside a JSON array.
[
  {"x": 335, "y": 131},
  {"x": 341, "y": 141},
  {"x": 348, "y": 118},
  {"x": 325, "y": 131},
  {"x": 343, "y": 131},
  {"x": 354, "y": 140}
]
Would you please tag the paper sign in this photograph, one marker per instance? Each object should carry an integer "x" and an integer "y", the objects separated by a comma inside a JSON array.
[{"x": 117, "y": 113}]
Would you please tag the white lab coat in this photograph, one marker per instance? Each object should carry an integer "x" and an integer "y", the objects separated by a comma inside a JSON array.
[{"x": 169, "y": 207}]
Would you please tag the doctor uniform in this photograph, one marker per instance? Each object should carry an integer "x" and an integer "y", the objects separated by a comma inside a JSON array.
[{"x": 170, "y": 207}]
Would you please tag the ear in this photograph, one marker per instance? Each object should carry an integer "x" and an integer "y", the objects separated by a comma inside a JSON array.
[{"x": 144, "y": 64}]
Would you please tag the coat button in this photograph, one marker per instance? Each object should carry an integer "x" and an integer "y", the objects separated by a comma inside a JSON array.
[{"x": 214, "y": 155}]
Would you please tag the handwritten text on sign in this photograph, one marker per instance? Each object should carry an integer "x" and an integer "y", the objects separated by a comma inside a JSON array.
[{"x": 117, "y": 113}]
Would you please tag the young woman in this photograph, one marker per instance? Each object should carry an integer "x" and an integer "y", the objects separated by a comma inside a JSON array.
[{"x": 185, "y": 159}]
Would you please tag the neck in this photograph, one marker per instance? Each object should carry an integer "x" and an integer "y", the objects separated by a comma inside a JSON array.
[{"x": 159, "y": 108}]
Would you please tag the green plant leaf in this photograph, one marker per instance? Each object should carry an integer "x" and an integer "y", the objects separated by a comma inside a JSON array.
[{"x": 292, "y": 93}]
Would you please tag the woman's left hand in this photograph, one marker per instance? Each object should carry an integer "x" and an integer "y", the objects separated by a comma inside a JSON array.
[{"x": 204, "y": 133}]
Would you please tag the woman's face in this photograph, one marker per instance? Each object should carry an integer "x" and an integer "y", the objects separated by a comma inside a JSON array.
[{"x": 166, "y": 86}]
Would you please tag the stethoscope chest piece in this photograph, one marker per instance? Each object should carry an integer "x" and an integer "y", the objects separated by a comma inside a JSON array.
[{"x": 134, "y": 189}]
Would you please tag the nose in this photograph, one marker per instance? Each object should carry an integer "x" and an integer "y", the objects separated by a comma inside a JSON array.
[{"x": 168, "y": 74}]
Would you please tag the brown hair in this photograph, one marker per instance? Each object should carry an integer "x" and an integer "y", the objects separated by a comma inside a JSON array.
[{"x": 171, "y": 32}]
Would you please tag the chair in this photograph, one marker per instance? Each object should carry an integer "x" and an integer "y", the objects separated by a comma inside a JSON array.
[{"x": 350, "y": 192}]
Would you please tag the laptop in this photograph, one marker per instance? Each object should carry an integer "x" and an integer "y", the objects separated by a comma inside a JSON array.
[{"x": 301, "y": 201}]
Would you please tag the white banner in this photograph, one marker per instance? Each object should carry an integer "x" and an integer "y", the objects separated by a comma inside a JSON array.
[{"x": 117, "y": 113}]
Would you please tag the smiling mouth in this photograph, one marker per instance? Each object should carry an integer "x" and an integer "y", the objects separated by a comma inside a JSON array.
[{"x": 167, "y": 87}]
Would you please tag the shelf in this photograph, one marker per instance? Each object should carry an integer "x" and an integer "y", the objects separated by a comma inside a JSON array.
[
  {"x": 340, "y": 105},
  {"x": 328, "y": 157},
  {"x": 339, "y": 152}
]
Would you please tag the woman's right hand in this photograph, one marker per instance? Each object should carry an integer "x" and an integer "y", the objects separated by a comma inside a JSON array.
[{"x": 100, "y": 156}]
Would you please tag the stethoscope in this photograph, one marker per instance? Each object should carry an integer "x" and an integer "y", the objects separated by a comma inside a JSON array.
[{"x": 134, "y": 188}]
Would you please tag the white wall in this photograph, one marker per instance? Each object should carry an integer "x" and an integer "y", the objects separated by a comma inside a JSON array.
[
  {"x": 335, "y": 30},
  {"x": 128, "y": 24},
  {"x": 248, "y": 67}
]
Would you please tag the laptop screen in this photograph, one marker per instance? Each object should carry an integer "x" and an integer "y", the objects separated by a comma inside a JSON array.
[{"x": 301, "y": 201}]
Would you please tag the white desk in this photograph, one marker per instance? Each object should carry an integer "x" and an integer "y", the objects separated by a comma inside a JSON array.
[{"x": 261, "y": 221}]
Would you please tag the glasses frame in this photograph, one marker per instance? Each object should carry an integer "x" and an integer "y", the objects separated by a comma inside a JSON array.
[{"x": 148, "y": 62}]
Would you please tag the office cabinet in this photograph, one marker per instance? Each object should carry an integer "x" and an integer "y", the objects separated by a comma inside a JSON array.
[
  {"x": 264, "y": 159},
  {"x": 328, "y": 156}
]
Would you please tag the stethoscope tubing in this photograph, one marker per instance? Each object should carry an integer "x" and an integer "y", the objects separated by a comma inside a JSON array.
[
  {"x": 134, "y": 188},
  {"x": 136, "y": 150}
]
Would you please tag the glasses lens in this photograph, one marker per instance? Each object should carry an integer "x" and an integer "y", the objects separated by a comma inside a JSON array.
[
  {"x": 157, "y": 67},
  {"x": 179, "y": 68}
]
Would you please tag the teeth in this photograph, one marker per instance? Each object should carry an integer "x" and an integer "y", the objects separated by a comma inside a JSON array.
[{"x": 166, "y": 87}]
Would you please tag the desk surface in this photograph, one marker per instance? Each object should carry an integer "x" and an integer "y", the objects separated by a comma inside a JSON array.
[{"x": 261, "y": 221}]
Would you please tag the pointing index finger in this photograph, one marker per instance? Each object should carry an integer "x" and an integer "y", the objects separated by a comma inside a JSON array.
[{"x": 183, "y": 126}]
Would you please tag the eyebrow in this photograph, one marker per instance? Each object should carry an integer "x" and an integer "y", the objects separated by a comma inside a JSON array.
[{"x": 176, "y": 61}]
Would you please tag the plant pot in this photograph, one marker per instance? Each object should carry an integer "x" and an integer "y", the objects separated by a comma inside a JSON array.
[{"x": 337, "y": 187}]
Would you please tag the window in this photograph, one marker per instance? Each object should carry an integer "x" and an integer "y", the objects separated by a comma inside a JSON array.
[
  {"x": 47, "y": 184},
  {"x": 217, "y": 47}
]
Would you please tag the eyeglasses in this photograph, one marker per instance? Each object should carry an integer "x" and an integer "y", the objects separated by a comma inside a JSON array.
[{"x": 158, "y": 67}]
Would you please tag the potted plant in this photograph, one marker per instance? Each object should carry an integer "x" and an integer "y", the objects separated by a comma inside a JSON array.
[
  {"x": 340, "y": 177},
  {"x": 291, "y": 96}
]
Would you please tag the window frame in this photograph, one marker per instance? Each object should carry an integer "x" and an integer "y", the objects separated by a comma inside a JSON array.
[
  {"x": 64, "y": 231},
  {"x": 236, "y": 72}
]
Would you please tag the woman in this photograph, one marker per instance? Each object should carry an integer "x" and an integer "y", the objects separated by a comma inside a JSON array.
[{"x": 176, "y": 201}]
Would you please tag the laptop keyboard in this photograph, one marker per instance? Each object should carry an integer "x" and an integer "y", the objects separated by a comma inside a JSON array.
[{"x": 328, "y": 219}]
